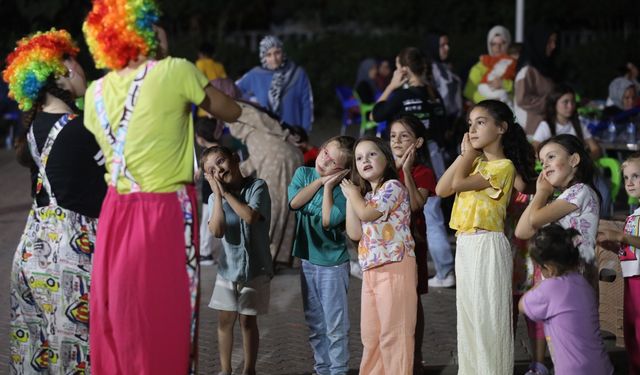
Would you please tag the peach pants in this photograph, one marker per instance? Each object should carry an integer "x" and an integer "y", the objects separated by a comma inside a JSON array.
[{"x": 388, "y": 318}]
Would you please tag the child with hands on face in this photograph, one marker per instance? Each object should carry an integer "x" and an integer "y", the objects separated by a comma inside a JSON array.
[
  {"x": 407, "y": 138},
  {"x": 378, "y": 216},
  {"x": 627, "y": 244},
  {"x": 494, "y": 151},
  {"x": 320, "y": 244},
  {"x": 240, "y": 213},
  {"x": 567, "y": 167}
]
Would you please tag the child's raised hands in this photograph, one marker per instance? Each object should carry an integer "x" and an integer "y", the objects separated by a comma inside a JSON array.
[
  {"x": 543, "y": 186},
  {"x": 349, "y": 189},
  {"x": 332, "y": 180},
  {"x": 408, "y": 158},
  {"x": 466, "y": 149},
  {"x": 216, "y": 186},
  {"x": 399, "y": 78}
]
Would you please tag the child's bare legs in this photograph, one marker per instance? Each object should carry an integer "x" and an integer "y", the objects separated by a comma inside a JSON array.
[
  {"x": 250, "y": 342},
  {"x": 541, "y": 348},
  {"x": 419, "y": 335},
  {"x": 226, "y": 321}
]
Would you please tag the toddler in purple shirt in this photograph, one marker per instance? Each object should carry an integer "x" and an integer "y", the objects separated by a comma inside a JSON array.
[{"x": 566, "y": 303}]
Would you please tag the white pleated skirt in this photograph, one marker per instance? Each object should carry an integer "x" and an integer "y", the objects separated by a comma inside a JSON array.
[{"x": 484, "y": 268}]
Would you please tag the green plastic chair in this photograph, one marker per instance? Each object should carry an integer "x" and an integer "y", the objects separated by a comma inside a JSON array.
[
  {"x": 613, "y": 165},
  {"x": 538, "y": 166},
  {"x": 365, "y": 110}
]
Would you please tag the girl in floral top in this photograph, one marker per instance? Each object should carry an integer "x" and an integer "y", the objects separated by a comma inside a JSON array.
[
  {"x": 378, "y": 216},
  {"x": 567, "y": 167},
  {"x": 493, "y": 151}
]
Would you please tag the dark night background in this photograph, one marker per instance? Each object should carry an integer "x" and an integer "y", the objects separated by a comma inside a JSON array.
[{"x": 329, "y": 37}]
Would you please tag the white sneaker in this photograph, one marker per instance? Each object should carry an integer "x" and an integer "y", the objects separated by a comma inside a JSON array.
[{"x": 448, "y": 282}]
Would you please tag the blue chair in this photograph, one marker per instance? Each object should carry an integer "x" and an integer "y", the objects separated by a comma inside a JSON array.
[{"x": 350, "y": 107}]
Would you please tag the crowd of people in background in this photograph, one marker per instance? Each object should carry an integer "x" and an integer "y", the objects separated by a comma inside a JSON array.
[{"x": 106, "y": 274}]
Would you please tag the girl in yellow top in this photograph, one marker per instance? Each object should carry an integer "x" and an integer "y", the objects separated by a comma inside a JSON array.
[{"x": 494, "y": 151}]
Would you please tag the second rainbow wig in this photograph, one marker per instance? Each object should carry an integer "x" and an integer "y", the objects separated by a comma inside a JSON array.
[
  {"x": 36, "y": 59},
  {"x": 118, "y": 31}
]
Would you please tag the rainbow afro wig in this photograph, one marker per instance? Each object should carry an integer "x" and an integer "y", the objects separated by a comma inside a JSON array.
[
  {"x": 35, "y": 59},
  {"x": 118, "y": 31}
]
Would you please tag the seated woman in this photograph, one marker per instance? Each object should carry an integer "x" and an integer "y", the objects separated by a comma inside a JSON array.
[
  {"x": 560, "y": 110},
  {"x": 629, "y": 71},
  {"x": 623, "y": 95},
  {"x": 498, "y": 86},
  {"x": 365, "y": 81}
]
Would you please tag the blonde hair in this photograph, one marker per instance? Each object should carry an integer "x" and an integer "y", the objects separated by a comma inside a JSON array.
[
  {"x": 633, "y": 158},
  {"x": 345, "y": 146}
]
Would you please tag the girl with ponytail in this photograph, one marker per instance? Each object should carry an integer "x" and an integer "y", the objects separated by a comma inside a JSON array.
[{"x": 494, "y": 151}]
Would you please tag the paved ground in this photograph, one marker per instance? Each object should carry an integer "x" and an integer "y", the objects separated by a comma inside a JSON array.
[{"x": 283, "y": 347}]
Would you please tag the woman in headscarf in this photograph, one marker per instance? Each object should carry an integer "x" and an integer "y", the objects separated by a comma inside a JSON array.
[
  {"x": 279, "y": 85},
  {"x": 273, "y": 157},
  {"x": 365, "y": 81},
  {"x": 623, "y": 95},
  {"x": 535, "y": 77},
  {"x": 51, "y": 270},
  {"x": 498, "y": 41},
  {"x": 145, "y": 279}
]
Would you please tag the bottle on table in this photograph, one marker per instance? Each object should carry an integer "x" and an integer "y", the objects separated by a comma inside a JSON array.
[
  {"x": 631, "y": 132},
  {"x": 611, "y": 132}
]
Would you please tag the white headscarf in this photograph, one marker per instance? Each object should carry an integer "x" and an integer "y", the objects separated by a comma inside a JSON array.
[
  {"x": 498, "y": 30},
  {"x": 617, "y": 87}
]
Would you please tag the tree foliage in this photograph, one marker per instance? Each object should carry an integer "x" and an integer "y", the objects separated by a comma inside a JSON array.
[{"x": 351, "y": 30}]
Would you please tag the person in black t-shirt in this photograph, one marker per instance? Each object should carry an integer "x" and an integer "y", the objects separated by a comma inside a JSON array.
[
  {"x": 51, "y": 269},
  {"x": 411, "y": 91}
]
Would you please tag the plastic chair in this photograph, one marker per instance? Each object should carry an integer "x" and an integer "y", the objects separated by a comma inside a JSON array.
[
  {"x": 350, "y": 106},
  {"x": 365, "y": 123},
  {"x": 613, "y": 165},
  {"x": 538, "y": 166}
]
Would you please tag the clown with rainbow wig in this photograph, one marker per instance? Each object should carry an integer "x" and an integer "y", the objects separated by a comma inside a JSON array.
[
  {"x": 144, "y": 300},
  {"x": 50, "y": 278}
]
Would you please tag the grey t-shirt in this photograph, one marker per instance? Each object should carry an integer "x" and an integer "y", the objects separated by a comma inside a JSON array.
[{"x": 246, "y": 247}]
